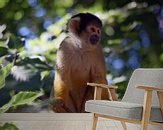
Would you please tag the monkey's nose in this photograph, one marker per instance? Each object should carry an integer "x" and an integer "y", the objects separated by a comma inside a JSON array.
[{"x": 94, "y": 39}]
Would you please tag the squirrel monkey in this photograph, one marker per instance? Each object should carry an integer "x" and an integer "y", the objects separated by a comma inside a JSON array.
[{"x": 79, "y": 60}]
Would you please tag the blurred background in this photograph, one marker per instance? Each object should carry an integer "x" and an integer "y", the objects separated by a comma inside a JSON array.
[{"x": 31, "y": 31}]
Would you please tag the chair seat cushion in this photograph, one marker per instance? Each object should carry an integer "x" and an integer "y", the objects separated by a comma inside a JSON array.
[{"x": 125, "y": 110}]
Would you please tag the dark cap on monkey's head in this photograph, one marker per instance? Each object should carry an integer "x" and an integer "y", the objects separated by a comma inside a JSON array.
[{"x": 85, "y": 19}]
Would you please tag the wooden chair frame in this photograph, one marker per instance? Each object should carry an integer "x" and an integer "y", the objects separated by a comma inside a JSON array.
[{"x": 146, "y": 106}]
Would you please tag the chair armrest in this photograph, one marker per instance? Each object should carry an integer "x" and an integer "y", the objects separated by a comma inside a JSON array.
[
  {"x": 101, "y": 85},
  {"x": 150, "y": 88},
  {"x": 98, "y": 89}
]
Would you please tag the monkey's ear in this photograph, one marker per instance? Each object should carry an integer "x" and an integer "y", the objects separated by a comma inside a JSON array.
[{"x": 73, "y": 25}]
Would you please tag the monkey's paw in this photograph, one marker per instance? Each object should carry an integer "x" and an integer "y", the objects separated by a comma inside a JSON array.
[{"x": 58, "y": 106}]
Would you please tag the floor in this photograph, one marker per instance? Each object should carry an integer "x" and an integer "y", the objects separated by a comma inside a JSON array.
[{"x": 57, "y": 121}]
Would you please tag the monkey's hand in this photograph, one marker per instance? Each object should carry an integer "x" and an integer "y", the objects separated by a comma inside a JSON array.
[{"x": 58, "y": 106}]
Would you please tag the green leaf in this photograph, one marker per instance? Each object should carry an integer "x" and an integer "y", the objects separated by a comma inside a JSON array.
[
  {"x": 8, "y": 126},
  {"x": 44, "y": 74},
  {"x": 4, "y": 72},
  {"x": 3, "y": 51},
  {"x": 16, "y": 43},
  {"x": 5, "y": 107},
  {"x": 3, "y": 44},
  {"x": 25, "y": 97},
  {"x": 21, "y": 98},
  {"x": 114, "y": 41}
]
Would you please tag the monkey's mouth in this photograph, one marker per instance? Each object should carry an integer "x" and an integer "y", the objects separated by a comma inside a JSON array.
[{"x": 94, "y": 39}]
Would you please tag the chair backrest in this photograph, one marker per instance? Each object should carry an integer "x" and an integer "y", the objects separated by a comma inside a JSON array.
[{"x": 147, "y": 77}]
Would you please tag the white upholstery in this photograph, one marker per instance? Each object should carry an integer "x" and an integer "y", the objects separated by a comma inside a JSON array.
[
  {"x": 125, "y": 110},
  {"x": 146, "y": 77}
]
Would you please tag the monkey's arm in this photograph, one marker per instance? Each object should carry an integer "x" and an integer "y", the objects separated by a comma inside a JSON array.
[
  {"x": 99, "y": 75},
  {"x": 102, "y": 83}
]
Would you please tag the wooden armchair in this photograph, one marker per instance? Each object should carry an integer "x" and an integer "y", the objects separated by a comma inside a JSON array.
[{"x": 139, "y": 107}]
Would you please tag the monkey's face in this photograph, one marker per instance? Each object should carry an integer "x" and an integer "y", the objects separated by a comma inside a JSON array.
[
  {"x": 94, "y": 34},
  {"x": 86, "y": 27}
]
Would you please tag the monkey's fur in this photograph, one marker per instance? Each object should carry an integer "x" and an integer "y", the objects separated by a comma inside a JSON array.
[{"x": 79, "y": 60}]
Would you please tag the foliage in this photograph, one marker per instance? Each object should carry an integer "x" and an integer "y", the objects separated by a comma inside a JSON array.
[
  {"x": 4, "y": 73},
  {"x": 131, "y": 38},
  {"x": 8, "y": 126},
  {"x": 27, "y": 74},
  {"x": 21, "y": 98}
]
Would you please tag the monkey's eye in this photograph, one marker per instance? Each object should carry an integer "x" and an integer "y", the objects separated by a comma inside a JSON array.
[
  {"x": 98, "y": 31},
  {"x": 93, "y": 29}
]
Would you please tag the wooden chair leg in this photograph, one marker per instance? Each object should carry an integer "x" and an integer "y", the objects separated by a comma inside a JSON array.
[
  {"x": 160, "y": 98},
  {"x": 94, "y": 122},
  {"x": 146, "y": 110},
  {"x": 144, "y": 126},
  {"x": 124, "y": 125}
]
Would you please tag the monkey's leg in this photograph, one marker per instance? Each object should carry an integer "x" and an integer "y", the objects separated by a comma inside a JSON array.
[
  {"x": 88, "y": 95},
  {"x": 60, "y": 94},
  {"x": 62, "y": 98}
]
